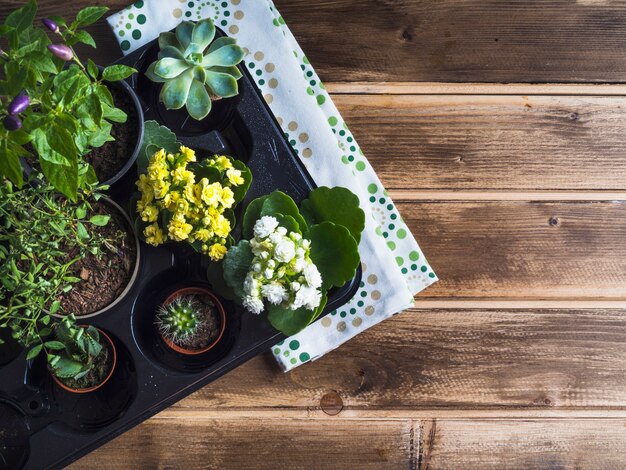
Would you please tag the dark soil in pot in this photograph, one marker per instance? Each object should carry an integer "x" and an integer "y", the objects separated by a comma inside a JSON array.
[
  {"x": 104, "y": 278},
  {"x": 110, "y": 158},
  {"x": 102, "y": 366}
]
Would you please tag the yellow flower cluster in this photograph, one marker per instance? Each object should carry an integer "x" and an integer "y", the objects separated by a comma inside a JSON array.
[{"x": 196, "y": 208}]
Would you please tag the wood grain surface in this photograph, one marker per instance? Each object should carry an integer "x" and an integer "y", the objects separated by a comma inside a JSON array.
[{"x": 515, "y": 191}]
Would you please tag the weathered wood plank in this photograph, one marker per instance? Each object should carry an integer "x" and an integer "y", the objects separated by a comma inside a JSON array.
[
  {"x": 456, "y": 142},
  {"x": 523, "y": 250},
  {"x": 452, "y": 40},
  {"x": 445, "y": 359},
  {"x": 455, "y": 40},
  {"x": 262, "y": 444},
  {"x": 528, "y": 444}
]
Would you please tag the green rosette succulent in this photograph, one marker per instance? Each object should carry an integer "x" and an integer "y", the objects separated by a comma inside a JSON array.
[{"x": 194, "y": 69}]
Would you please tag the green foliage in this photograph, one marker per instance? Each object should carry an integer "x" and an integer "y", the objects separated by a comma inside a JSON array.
[
  {"x": 194, "y": 73},
  {"x": 338, "y": 205},
  {"x": 155, "y": 137},
  {"x": 179, "y": 321},
  {"x": 75, "y": 351},
  {"x": 290, "y": 322},
  {"x": 39, "y": 229},
  {"x": 71, "y": 109},
  {"x": 330, "y": 218}
]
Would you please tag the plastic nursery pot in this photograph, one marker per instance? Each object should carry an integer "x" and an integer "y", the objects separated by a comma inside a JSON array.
[
  {"x": 124, "y": 87},
  {"x": 222, "y": 315},
  {"x": 133, "y": 278},
  {"x": 95, "y": 387}
]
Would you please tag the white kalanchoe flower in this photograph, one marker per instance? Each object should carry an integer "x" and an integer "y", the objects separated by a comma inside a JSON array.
[
  {"x": 275, "y": 293},
  {"x": 282, "y": 272},
  {"x": 312, "y": 276},
  {"x": 264, "y": 226},
  {"x": 285, "y": 251},
  {"x": 253, "y": 304}
]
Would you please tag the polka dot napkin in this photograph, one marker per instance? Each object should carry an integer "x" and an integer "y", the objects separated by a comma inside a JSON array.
[{"x": 394, "y": 268}]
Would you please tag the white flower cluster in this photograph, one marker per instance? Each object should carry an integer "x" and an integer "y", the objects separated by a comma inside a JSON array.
[{"x": 282, "y": 271}]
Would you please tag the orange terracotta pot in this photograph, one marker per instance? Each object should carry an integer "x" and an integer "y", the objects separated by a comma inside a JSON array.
[
  {"x": 220, "y": 309},
  {"x": 95, "y": 387}
]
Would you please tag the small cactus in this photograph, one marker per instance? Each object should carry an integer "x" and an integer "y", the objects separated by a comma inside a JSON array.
[{"x": 179, "y": 321}]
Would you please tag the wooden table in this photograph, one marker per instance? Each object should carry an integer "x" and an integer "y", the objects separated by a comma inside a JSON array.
[{"x": 516, "y": 194}]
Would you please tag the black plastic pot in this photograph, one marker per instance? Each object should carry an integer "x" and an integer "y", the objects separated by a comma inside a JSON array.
[
  {"x": 126, "y": 88},
  {"x": 149, "y": 375}
]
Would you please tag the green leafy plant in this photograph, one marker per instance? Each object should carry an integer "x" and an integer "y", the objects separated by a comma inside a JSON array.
[
  {"x": 77, "y": 355},
  {"x": 194, "y": 69},
  {"x": 179, "y": 320},
  {"x": 53, "y": 108},
  {"x": 291, "y": 257},
  {"x": 39, "y": 229}
]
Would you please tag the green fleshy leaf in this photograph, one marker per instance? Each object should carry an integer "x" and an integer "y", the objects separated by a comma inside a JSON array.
[
  {"x": 279, "y": 203},
  {"x": 236, "y": 265},
  {"x": 288, "y": 222},
  {"x": 221, "y": 42},
  {"x": 114, "y": 73},
  {"x": 168, "y": 39},
  {"x": 198, "y": 101},
  {"x": 290, "y": 322},
  {"x": 338, "y": 205},
  {"x": 151, "y": 74},
  {"x": 252, "y": 214},
  {"x": 183, "y": 33},
  {"x": 233, "y": 70},
  {"x": 335, "y": 253},
  {"x": 199, "y": 74},
  {"x": 225, "y": 56},
  {"x": 170, "y": 68},
  {"x": 172, "y": 52},
  {"x": 89, "y": 15},
  {"x": 240, "y": 191},
  {"x": 158, "y": 137},
  {"x": 175, "y": 92},
  {"x": 215, "y": 275},
  {"x": 203, "y": 33},
  {"x": 221, "y": 84},
  {"x": 192, "y": 48}
]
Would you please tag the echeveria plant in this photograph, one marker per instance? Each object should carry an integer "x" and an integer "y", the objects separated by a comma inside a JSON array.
[
  {"x": 53, "y": 108},
  {"x": 290, "y": 257},
  {"x": 193, "y": 70}
]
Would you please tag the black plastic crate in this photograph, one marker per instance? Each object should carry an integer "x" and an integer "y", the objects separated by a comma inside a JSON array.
[{"x": 61, "y": 426}]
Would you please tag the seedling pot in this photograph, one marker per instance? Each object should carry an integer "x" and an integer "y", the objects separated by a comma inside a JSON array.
[
  {"x": 197, "y": 291},
  {"x": 133, "y": 279},
  {"x": 112, "y": 350}
]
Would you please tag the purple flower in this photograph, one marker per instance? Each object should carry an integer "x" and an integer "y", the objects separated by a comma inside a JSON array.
[
  {"x": 61, "y": 51},
  {"x": 19, "y": 104},
  {"x": 12, "y": 123},
  {"x": 51, "y": 25}
]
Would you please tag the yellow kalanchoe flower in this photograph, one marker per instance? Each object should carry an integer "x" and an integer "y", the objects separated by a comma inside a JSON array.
[
  {"x": 188, "y": 154},
  {"x": 217, "y": 251},
  {"x": 154, "y": 235},
  {"x": 149, "y": 213},
  {"x": 227, "y": 197},
  {"x": 178, "y": 228},
  {"x": 234, "y": 176}
]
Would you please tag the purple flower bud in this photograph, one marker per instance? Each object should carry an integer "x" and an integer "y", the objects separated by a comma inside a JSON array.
[
  {"x": 19, "y": 104},
  {"x": 51, "y": 25},
  {"x": 61, "y": 51},
  {"x": 12, "y": 123}
]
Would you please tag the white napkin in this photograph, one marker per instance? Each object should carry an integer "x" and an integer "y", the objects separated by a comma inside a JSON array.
[{"x": 394, "y": 268}]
